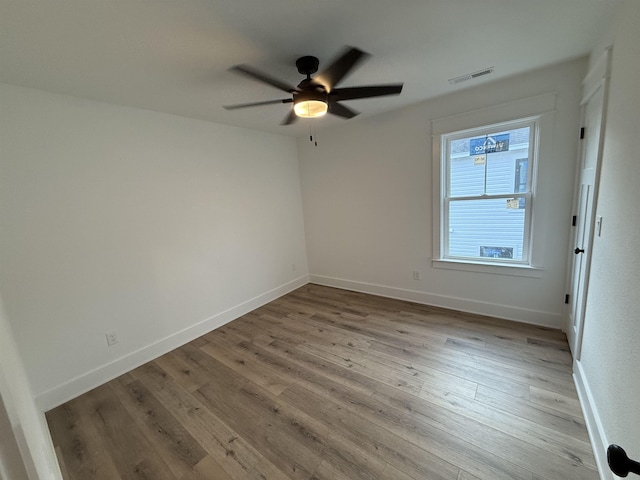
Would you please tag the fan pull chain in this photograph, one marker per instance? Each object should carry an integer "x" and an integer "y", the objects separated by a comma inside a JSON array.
[{"x": 311, "y": 135}]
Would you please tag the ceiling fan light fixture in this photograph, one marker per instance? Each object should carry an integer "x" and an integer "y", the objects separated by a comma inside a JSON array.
[
  {"x": 316, "y": 96},
  {"x": 310, "y": 108}
]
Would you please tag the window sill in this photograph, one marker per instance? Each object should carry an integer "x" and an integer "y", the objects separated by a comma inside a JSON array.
[{"x": 470, "y": 266}]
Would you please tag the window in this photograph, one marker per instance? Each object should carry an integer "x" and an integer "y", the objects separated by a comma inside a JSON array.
[
  {"x": 488, "y": 167},
  {"x": 487, "y": 193}
]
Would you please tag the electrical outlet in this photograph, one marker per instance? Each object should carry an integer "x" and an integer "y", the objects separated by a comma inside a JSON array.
[
  {"x": 416, "y": 275},
  {"x": 112, "y": 338},
  {"x": 293, "y": 267}
]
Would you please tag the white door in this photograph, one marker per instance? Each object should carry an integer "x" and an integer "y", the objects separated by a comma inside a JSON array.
[{"x": 586, "y": 191}]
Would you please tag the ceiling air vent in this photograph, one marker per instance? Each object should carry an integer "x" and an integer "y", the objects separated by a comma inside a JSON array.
[{"x": 469, "y": 76}]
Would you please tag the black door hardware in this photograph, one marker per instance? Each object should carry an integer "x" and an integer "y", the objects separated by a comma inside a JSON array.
[
  {"x": 578, "y": 250},
  {"x": 619, "y": 463}
]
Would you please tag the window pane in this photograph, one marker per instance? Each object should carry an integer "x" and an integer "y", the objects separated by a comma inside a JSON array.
[
  {"x": 487, "y": 228},
  {"x": 489, "y": 164},
  {"x": 466, "y": 178}
]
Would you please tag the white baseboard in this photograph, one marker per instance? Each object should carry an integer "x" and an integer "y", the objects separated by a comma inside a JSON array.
[
  {"x": 87, "y": 381},
  {"x": 598, "y": 438},
  {"x": 534, "y": 317}
]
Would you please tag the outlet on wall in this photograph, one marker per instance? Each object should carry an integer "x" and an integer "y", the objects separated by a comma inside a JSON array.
[
  {"x": 112, "y": 338},
  {"x": 416, "y": 275}
]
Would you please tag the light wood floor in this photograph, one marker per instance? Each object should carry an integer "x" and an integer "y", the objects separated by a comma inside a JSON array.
[{"x": 330, "y": 384}]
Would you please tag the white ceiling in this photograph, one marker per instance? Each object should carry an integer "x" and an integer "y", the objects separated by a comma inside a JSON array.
[{"x": 172, "y": 55}]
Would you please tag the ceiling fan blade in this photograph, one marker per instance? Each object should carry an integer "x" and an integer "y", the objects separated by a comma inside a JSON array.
[
  {"x": 342, "y": 111},
  {"x": 257, "y": 104},
  {"x": 340, "y": 67},
  {"x": 251, "y": 72},
  {"x": 289, "y": 119},
  {"x": 352, "y": 93}
]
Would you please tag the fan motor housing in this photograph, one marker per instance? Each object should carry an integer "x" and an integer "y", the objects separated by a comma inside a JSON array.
[{"x": 307, "y": 65}]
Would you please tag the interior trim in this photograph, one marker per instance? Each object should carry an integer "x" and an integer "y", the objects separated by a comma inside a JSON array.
[
  {"x": 597, "y": 436},
  {"x": 507, "y": 312}
]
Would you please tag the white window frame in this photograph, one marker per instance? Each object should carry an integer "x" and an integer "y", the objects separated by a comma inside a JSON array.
[
  {"x": 529, "y": 195},
  {"x": 540, "y": 110}
]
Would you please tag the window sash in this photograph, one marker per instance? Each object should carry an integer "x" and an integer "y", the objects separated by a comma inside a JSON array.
[{"x": 477, "y": 258}]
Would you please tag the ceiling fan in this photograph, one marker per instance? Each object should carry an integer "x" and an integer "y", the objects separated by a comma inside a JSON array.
[{"x": 314, "y": 97}]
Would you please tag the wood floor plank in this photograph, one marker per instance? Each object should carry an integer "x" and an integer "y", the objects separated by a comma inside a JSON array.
[
  {"x": 573, "y": 426},
  {"x": 530, "y": 374},
  {"x": 326, "y": 471},
  {"x": 557, "y": 443},
  {"x": 457, "y": 366},
  {"x": 247, "y": 367},
  {"x": 565, "y": 403},
  {"x": 435, "y": 379},
  {"x": 292, "y": 442},
  {"x": 189, "y": 378},
  {"x": 448, "y": 447},
  {"x": 393, "y": 370},
  {"x": 534, "y": 360},
  {"x": 228, "y": 333},
  {"x": 509, "y": 446},
  {"x": 329, "y": 384},
  {"x": 517, "y": 373},
  {"x": 324, "y": 334},
  {"x": 307, "y": 368},
  {"x": 392, "y": 473},
  {"x": 79, "y": 443},
  {"x": 265, "y": 470},
  {"x": 466, "y": 476},
  {"x": 428, "y": 435},
  {"x": 377, "y": 441},
  {"x": 132, "y": 453},
  {"x": 206, "y": 469},
  {"x": 416, "y": 331},
  {"x": 232, "y": 452},
  {"x": 351, "y": 359},
  {"x": 180, "y": 451}
]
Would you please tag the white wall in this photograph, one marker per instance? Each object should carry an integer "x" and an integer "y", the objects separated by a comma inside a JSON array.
[
  {"x": 611, "y": 342},
  {"x": 157, "y": 227},
  {"x": 26, "y": 430},
  {"x": 367, "y": 196}
]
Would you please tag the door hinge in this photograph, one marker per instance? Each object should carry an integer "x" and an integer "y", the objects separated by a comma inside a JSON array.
[
  {"x": 566, "y": 298},
  {"x": 582, "y": 133},
  {"x": 574, "y": 220}
]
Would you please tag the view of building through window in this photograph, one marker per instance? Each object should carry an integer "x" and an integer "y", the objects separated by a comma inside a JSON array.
[{"x": 487, "y": 199}]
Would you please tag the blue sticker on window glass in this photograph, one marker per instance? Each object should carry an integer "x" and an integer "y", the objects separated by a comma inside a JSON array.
[{"x": 489, "y": 144}]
